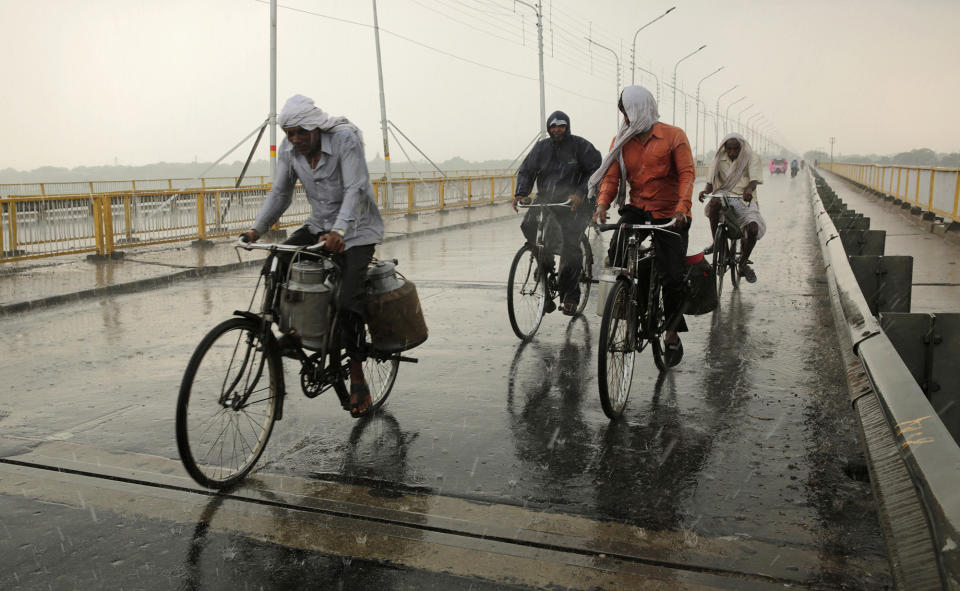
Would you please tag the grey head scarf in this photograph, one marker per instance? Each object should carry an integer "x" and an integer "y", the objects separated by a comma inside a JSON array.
[
  {"x": 300, "y": 111},
  {"x": 739, "y": 165},
  {"x": 642, "y": 113}
]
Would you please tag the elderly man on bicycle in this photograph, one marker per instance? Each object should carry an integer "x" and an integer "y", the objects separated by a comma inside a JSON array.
[
  {"x": 736, "y": 169},
  {"x": 656, "y": 161},
  {"x": 560, "y": 165},
  {"x": 326, "y": 155}
]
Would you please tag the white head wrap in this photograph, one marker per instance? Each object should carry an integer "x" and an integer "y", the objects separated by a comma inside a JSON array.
[
  {"x": 300, "y": 111},
  {"x": 642, "y": 113},
  {"x": 739, "y": 165}
]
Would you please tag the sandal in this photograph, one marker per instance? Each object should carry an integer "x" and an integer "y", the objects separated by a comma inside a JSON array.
[
  {"x": 570, "y": 308},
  {"x": 362, "y": 393},
  {"x": 673, "y": 353}
]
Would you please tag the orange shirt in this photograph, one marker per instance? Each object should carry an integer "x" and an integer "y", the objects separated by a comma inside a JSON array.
[{"x": 660, "y": 171}]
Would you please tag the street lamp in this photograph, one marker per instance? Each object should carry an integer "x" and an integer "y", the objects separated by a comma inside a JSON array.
[
  {"x": 696, "y": 133},
  {"x": 633, "y": 48},
  {"x": 741, "y": 113},
  {"x": 677, "y": 65},
  {"x": 616, "y": 57},
  {"x": 655, "y": 79},
  {"x": 726, "y": 114}
]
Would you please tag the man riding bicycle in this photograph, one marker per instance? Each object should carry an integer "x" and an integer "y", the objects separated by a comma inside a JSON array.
[
  {"x": 560, "y": 165},
  {"x": 736, "y": 169},
  {"x": 660, "y": 172},
  {"x": 326, "y": 155}
]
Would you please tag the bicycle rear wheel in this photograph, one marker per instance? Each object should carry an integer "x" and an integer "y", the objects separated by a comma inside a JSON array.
[
  {"x": 734, "y": 261},
  {"x": 586, "y": 275},
  {"x": 227, "y": 404},
  {"x": 617, "y": 350},
  {"x": 720, "y": 257},
  {"x": 526, "y": 293}
]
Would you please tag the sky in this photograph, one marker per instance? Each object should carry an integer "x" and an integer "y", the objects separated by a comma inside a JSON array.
[{"x": 131, "y": 82}]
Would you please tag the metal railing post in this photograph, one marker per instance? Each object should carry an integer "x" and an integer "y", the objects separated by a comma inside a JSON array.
[
  {"x": 107, "y": 218},
  {"x": 469, "y": 193},
  {"x": 493, "y": 189},
  {"x": 128, "y": 217},
  {"x": 930, "y": 201},
  {"x": 956, "y": 195},
  {"x": 410, "y": 197},
  {"x": 201, "y": 215},
  {"x": 443, "y": 185},
  {"x": 97, "y": 224}
]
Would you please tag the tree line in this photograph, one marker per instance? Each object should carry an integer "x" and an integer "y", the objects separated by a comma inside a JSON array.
[{"x": 917, "y": 157}]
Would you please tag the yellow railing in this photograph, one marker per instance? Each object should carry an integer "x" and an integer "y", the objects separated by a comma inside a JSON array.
[
  {"x": 931, "y": 188},
  {"x": 51, "y": 225}
]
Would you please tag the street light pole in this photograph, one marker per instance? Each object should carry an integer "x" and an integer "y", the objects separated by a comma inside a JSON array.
[
  {"x": 273, "y": 88},
  {"x": 749, "y": 136},
  {"x": 696, "y": 133},
  {"x": 726, "y": 114},
  {"x": 543, "y": 110},
  {"x": 383, "y": 108},
  {"x": 616, "y": 57},
  {"x": 655, "y": 79},
  {"x": 677, "y": 65},
  {"x": 716, "y": 121},
  {"x": 741, "y": 113},
  {"x": 633, "y": 50}
]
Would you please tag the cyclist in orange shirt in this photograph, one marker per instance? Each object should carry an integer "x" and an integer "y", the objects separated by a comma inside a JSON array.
[{"x": 660, "y": 173}]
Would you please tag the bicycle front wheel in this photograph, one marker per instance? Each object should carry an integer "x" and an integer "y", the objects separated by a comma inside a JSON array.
[
  {"x": 617, "y": 350},
  {"x": 720, "y": 257},
  {"x": 734, "y": 261},
  {"x": 526, "y": 293},
  {"x": 228, "y": 403},
  {"x": 656, "y": 322},
  {"x": 586, "y": 274}
]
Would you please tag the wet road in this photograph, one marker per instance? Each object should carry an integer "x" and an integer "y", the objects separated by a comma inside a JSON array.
[{"x": 492, "y": 466}]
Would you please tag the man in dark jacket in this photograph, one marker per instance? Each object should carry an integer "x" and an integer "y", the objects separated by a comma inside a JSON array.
[{"x": 560, "y": 165}]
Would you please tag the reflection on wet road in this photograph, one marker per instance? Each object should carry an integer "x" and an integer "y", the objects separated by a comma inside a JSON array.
[{"x": 493, "y": 464}]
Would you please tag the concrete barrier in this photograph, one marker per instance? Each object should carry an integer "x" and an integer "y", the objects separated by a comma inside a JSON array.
[{"x": 912, "y": 453}]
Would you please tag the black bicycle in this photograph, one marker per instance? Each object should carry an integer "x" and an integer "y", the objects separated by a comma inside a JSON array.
[
  {"x": 633, "y": 316},
  {"x": 532, "y": 283},
  {"x": 726, "y": 242},
  {"x": 233, "y": 389}
]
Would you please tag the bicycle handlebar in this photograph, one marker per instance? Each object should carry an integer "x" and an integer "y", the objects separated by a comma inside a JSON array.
[
  {"x": 722, "y": 195},
  {"x": 566, "y": 203},
  {"x": 606, "y": 227},
  {"x": 318, "y": 248}
]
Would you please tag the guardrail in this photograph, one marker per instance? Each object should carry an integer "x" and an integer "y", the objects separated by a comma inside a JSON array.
[
  {"x": 908, "y": 414},
  {"x": 933, "y": 189},
  {"x": 180, "y": 184},
  {"x": 103, "y": 223}
]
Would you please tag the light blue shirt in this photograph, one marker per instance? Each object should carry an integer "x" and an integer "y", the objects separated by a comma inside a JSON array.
[{"x": 338, "y": 190}]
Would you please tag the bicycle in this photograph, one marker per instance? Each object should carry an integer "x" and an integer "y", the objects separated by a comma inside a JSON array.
[
  {"x": 633, "y": 316},
  {"x": 726, "y": 242},
  {"x": 233, "y": 389},
  {"x": 531, "y": 284}
]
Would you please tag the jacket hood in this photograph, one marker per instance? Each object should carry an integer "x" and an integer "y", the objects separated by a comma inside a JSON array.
[{"x": 561, "y": 116}]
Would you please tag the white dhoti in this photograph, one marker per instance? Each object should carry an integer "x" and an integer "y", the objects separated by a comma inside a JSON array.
[{"x": 748, "y": 213}]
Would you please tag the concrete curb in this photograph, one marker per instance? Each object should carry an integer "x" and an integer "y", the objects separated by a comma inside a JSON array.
[
  {"x": 912, "y": 456},
  {"x": 199, "y": 272}
]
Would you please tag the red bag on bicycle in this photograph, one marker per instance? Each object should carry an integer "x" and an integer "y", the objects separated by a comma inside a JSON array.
[{"x": 699, "y": 286}]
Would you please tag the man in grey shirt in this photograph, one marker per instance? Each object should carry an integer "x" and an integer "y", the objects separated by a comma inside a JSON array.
[{"x": 326, "y": 155}]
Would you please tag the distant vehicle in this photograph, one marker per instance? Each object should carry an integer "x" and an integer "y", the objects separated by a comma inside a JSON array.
[{"x": 778, "y": 166}]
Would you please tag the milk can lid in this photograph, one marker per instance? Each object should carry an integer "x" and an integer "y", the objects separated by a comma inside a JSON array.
[{"x": 381, "y": 270}]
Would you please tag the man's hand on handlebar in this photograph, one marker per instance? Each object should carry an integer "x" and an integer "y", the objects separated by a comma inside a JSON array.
[
  {"x": 575, "y": 201},
  {"x": 333, "y": 242},
  {"x": 680, "y": 219},
  {"x": 249, "y": 236},
  {"x": 525, "y": 199},
  {"x": 706, "y": 191},
  {"x": 600, "y": 215}
]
